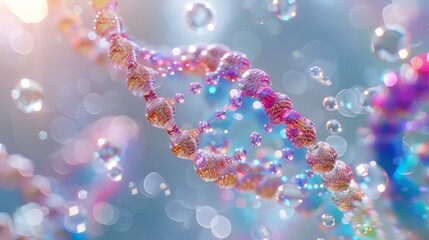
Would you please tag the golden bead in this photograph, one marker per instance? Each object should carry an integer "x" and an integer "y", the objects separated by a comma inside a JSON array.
[
  {"x": 184, "y": 144},
  {"x": 121, "y": 52},
  {"x": 107, "y": 23}
]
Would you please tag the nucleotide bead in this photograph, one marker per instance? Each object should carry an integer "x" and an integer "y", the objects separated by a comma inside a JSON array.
[
  {"x": 140, "y": 80},
  {"x": 184, "y": 144},
  {"x": 302, "y": 134},
  {"x": 267, "y": 188},
  {"x": 97, "y": 5},
  {"x": 252, "y": 81},
  {"x": 107, "y": 23},
  {"x": 338, "y": 180},
  {"x": 122, "y": 52},
  {"x": 231, "y": 174},
  {"x": 282, "y": 104},
  {"x": 211, "y": 165},
  {"x": 346, "y": 201},
  {"x": 251, "y": 179},
  {"x": 321, "y": 158},
  {"x": 210, "y": 57},
  {"x": 160, "y": 113},
  {"x": 232, "y": 65}
]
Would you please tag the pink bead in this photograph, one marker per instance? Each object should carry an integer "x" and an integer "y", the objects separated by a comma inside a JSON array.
[
  {"x": 232, "y": 65},
  {"x": 267, "y": 97},
  {"x": 303, "y": 134},
  {"x": 210, "y": 57},
  {"x": 346, "y": 201},
  {"x": 252, "y": 81},
  {"x": 160, "y": 113},
  {"x": 281, "y": 106},
  {"x": 338, "y": 180},
  {"x": 321, "y": 158}
]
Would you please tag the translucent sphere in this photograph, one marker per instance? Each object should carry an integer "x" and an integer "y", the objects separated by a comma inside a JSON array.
[
  {"x": 285, "y": 9},
  {"x": 28, "y": 96},
  {"x": 289, "y": 195},
  {"x": 115, "y": 173},
  {"x": 330, "y": 103},
  {"x": 199, "y": 17},
  {"x": 334, "y": 126},
  {"x": 108, "y": 152},
  {"x": 390, "y": 44},
  {"x": 261, "y": 232},
  {"x": 367, "y": 97},
  {"x": 316, "y": 73},
  {"x": 328, "y": 220},
  {"x": 372, "y": 179}
]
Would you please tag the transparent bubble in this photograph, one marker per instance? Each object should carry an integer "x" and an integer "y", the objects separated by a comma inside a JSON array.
[
  {"x": 330, "y": 103},
  {"x": 108, "y": 152},
  {"x": 328, "y": 220},
  {"x": 338, "y": 143},
  {"x": 289, "y": 195},
  {"x": 367, "y": 97},
  {"x": 372, "y": 178},
  {"x": 221, "y": 226},
  {"x": 316, "y": 73},
  {"x": 205, "y": 215},
  {"x": 28, "y": 96},
  {"x": 334, "y": 126},
  {"x": 199, "y": 17},
  {"x": 390, "y": 44},
  {"x": 285, "y": 9},
  {"x": 362, "y": 230},
  {"x": 301, "y": 180},
  {"x": 260, "y": 232},
  {"x": 115, "y": 173},
  {"x": 349, "y": 104}
]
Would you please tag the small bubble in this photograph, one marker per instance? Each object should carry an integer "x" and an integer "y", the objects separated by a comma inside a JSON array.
[
  {"x": 268, "y": 128},
  {"x": 334, "y": 126},
  {"x": 390, "y": 44},
  {"x": 328, "y": 220},
  {"x": 179, "y": 98},
  {"x": 115, "y": 173},
  {"x": 240, "y": 154},
  {"x": 28, "y": 96},
  {"x": 199, "y": 17},
  {"x": 330, "y": 103},
  {"x": 108, "y": 152},
  {"x": 316, "y": 73}
]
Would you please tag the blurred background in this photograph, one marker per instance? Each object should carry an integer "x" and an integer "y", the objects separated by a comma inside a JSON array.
[{"x": 159, "y": 196}]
